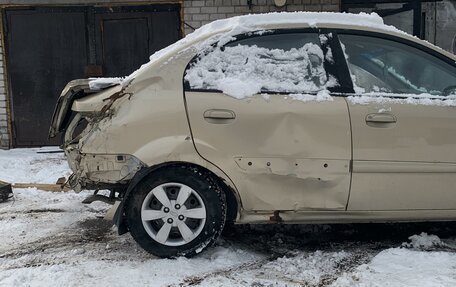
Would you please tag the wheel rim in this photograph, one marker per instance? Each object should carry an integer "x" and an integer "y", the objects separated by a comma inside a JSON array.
[{"x": 173, "y": 214}]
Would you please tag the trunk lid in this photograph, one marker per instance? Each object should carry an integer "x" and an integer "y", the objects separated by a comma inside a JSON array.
[{"x": 74, "y": 90}]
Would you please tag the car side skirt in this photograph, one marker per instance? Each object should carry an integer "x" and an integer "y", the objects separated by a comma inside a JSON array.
[{"x": 332, "y": 217}]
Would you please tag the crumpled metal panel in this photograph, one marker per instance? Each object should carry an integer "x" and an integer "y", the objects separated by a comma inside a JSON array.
[{"x": 307, "y": 146}]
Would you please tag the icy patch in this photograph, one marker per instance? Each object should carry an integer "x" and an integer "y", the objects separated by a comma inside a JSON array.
[
  {"x": 102, "y": 83},
  {"x": 424, "y": 241}
]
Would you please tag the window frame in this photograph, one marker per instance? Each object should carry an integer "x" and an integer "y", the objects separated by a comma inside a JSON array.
[
  {"x": 397, "y": 39},
  {"x": 337, "y": 68}
]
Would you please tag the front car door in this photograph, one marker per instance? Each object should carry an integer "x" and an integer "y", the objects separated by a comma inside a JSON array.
[
  {"x": 403, "y": 125},
  {"x": 259, "y": 109}
]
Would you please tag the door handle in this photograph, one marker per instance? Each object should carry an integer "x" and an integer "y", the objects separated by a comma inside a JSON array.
[
  {"x": 219, "y": 115},
  {"x": 381, "y": 118}
]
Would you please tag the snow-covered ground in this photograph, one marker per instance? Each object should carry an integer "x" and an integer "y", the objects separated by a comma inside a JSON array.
[{"x": 52, "y": 239}]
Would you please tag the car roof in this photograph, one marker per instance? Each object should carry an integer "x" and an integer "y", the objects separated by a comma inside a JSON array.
[
  {"x": 281, "y": 20},
  {"x": 223, "y": 30}
]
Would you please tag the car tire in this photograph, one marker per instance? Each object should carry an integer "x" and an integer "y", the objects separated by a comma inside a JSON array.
[{"x": 177, "y": 210}]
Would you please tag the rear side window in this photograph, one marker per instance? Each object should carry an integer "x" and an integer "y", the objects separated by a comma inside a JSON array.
[
  {"x": 291, "y": 63},
  {"x": 387, "y": 66}
]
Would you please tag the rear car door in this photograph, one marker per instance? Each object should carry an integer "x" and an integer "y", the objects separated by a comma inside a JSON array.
[
  {"x": 403, "y": 125},
  {"x": 259, "y": 109}
]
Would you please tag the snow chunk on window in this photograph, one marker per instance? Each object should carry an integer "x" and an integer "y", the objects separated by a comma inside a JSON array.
[{"x": 241, "y": 71}]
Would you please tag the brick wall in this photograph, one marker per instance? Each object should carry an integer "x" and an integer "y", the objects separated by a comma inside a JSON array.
[
  {"x": 4, "y": 135},
  {"x": 200, "y": 12}
]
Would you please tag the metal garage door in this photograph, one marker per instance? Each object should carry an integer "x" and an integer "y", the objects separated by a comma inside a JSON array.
[{"x": 48, "y": 47}]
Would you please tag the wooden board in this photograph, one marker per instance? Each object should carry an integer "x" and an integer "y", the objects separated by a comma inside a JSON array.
[{"x": 43, "y": 186}]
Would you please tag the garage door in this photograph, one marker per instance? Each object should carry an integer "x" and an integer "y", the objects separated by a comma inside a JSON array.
[{"x": 48, "y": 47}]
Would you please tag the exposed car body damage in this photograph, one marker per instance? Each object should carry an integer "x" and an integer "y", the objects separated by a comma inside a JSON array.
[{"x": 301, "y": 150}]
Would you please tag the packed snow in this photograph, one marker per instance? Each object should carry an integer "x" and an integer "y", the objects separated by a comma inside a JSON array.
[
  {"x": 101, "y": 83},
  {"x": 18, "y": 166},
  {"x": 410, "y": 99},
  {"x": 241, "y": 71},
  {"x": 424, "y": 241},
  {"x": 52, "y": 239}
]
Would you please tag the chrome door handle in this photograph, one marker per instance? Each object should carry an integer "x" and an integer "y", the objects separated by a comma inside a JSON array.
[
  {"x": 219, "y": 114},
  {"x": 380, "y": 118}
]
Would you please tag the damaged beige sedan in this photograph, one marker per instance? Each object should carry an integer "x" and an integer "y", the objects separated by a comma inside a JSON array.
[{"x": 274, "y": 118}]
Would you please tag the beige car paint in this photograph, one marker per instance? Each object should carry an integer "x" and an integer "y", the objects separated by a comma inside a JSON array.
[
  {"x": 149, "y": 122},
  {"x": 408, "y": 164},
  {"x": 95, "y": 102}
]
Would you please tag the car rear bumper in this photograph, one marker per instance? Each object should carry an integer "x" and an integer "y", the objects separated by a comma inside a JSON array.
[{"x": 100, "y": 171}]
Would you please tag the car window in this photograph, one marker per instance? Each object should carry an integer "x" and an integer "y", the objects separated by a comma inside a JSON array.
[
  {"x": 267, "y": 63},
  {"x": 382, "y": 65}
]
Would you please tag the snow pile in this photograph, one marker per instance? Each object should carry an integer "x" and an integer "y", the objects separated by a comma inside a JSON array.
[
  {"x": 242, "y": 71},
  {"x": 399, "y": 267},
  {"x": 102, "y": 83},
  {"x": 424, "y": 241}
]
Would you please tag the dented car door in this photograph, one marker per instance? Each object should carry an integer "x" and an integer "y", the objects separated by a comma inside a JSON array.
[{"x": 259, "y": 109}]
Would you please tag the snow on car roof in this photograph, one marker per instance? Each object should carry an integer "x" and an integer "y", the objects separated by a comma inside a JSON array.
[
  {"x": 247, "y": 23},
  {"x": 226, "y": 28},
  {"x": 312, "y": 19}
]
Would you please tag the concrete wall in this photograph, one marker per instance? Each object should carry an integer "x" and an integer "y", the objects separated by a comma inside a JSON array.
[{"x": 200, "y": 12}]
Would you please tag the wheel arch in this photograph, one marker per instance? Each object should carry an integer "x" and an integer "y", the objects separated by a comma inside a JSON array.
[{"x": 233, "y": 201}]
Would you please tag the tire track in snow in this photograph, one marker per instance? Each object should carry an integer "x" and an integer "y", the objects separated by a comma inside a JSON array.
[
  {"x": 88, "y": 234},
  {"x": 263, "y": 277}
]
